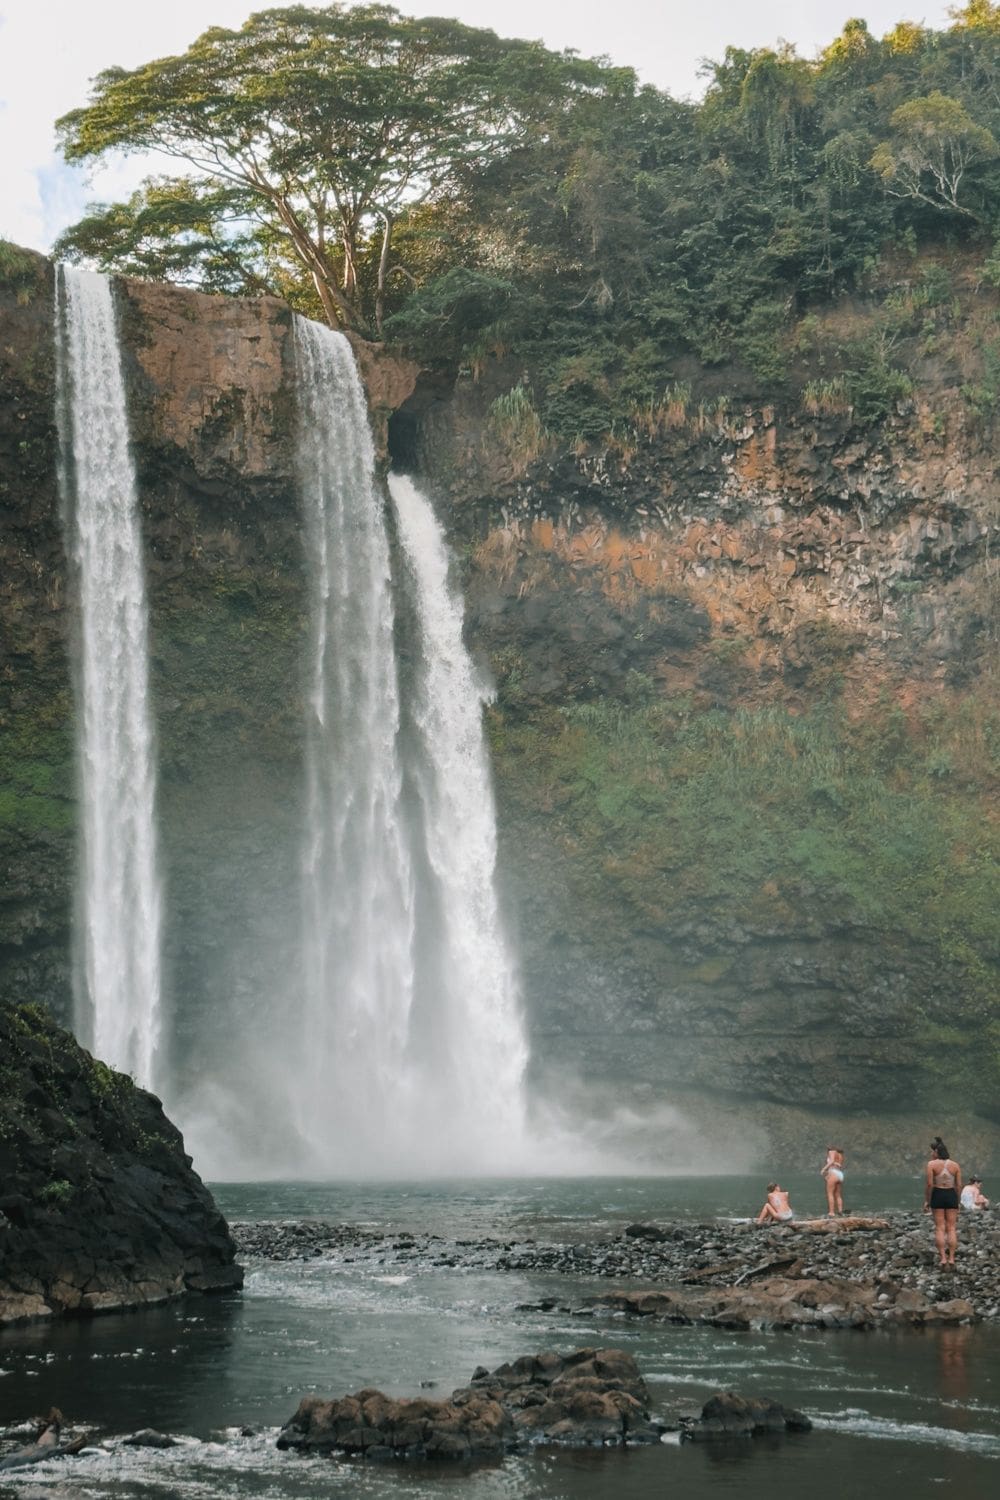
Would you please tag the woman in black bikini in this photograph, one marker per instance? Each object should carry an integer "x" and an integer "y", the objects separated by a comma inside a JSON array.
[{"x": 942, "y": 1186}]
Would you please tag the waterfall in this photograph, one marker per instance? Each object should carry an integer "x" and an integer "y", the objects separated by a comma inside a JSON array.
[
  {"x": 482, "y": 1054},
  {"x": 358, "y": 883},
  {"x": 410, "y": 1049},
  {"x": 118, "y": 929}
]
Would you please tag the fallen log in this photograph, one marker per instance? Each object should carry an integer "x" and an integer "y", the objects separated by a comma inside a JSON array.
[
  {"x": 789, "y": 1265},
  {"x": 706, "y": 1273},
  {"x": 845, "y": 1224}
]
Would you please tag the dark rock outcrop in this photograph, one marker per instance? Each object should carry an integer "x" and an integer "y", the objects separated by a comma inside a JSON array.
[
  {"x": 99, "y": 1207},
  {"x": 728, "y": 1415},
  {"x": 372, "y": 1425},
  {"x": 590, "y": 1397}
]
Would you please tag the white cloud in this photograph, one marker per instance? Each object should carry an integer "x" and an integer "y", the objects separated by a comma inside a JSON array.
[{"x": 49, "y": 49}]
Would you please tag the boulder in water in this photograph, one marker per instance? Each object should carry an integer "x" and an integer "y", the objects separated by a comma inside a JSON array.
[
  {"x": 590, "y": 1397},
  {"x": 372, "y": 1425},
  {"x": 728, "y": 1415}
]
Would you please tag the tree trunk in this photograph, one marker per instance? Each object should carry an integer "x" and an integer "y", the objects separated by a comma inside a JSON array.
[
  {"x": 383, "y": 269},
  {"x": 337, "y": 308},
  {"x": 350, "y": 242}
]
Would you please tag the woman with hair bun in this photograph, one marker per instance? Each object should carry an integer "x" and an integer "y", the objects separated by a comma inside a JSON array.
[{"x": 942, "y": 1186}]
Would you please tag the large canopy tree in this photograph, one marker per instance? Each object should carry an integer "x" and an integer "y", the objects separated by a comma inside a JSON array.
[{"x": 317, "y": 125}]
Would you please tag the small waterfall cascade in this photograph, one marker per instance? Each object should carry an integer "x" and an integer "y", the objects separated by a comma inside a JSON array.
[
  {"x": 411, "y": 1051},
  {"x": 485, "y": 1054},
  {"x": 119, "y": 906}
]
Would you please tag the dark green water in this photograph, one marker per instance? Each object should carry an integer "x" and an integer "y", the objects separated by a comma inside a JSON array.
[{"x": 906, "y": 1413}]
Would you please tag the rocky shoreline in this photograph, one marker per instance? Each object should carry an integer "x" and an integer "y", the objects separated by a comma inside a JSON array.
[{"x": 896, "y": 1263}]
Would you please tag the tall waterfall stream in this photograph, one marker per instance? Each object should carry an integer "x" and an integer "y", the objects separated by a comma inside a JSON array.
[
  {"x": 119, "y": 919},
  {"x": 413, "y": 1049}
]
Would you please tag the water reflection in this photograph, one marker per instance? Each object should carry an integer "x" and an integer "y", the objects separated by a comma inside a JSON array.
[{"x": 953, "y": 1373}]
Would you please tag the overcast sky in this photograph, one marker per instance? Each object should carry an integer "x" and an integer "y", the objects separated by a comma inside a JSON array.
[{"x": 49, "y": 49}]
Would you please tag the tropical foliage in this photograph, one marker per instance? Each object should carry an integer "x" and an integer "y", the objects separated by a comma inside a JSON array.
[{"x": 472, "y": 195}]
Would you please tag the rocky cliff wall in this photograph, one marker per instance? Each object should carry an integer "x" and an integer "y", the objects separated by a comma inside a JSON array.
[
  {"x": 747, "y": 726},
  {"x": 745, "y": 733}
]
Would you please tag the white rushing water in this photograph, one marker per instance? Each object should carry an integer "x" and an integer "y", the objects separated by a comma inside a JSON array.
[
  {"x": 483, "y": 1054},
  {"x": 411, "y": 1050},
  {"x": 118, "y": 946},
  {"x": 358, "y": 883}
]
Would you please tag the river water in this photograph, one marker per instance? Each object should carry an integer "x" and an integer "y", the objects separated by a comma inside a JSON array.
[{"x": 903, "y": 1413}]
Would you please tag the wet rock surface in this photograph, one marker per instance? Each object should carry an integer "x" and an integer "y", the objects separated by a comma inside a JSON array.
[
  {"x": 592, "y": 1397},
  {"x": 100, "y": 1209},
  {"x": 788, "y": 1302},
  {"x": 729, "y": 1415},
  {"x": 855, "y": 1277}
]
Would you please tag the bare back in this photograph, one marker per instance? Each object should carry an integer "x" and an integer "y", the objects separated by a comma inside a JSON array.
[{"x": 944, "y": 1174}]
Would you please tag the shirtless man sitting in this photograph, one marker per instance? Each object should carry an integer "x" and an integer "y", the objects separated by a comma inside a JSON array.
[{"x": 776, "y": 1207}]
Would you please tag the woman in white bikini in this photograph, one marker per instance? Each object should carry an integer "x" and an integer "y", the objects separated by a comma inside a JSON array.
[
  {"x": 832, "y": 1172},
  {"x": 777, "y": 1209},
  {"x": 942, "y": 1186}
]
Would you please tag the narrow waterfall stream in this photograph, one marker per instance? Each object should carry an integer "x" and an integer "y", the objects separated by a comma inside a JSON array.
[
  {"x": 480, "y": 1064},
  {"x": 412, "y": 1049},
  {"x": 118, "y": 927}
]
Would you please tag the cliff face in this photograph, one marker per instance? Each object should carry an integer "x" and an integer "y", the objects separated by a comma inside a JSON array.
[
  {"x": 745, "y": 734},
  {"x": 36, "y": 775},
  {"x": 747, "y": 726}
]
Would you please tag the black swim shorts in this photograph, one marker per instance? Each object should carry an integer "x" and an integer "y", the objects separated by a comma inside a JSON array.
[{"x": 944, "y": 1197}]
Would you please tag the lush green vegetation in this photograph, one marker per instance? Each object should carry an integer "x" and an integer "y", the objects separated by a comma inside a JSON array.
[
  {"x": 479, "y": 197},
  {"x": 37, "y": 793},
  {"x": 878, "y": 825},
  {"x": 304, "y": 130},
  {"x": 18, "y": 271}
]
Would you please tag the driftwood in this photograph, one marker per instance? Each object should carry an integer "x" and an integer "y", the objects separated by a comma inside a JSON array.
[
  {"x": 705, "y": 1273},
  {"x": 46, "y": 1445},
  {"x": 846, "y": 1222},
  {"x": 789, "y": 1265}
]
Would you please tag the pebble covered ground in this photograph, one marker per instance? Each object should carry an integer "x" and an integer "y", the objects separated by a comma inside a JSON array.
[{"x": 668, "y": 1255}]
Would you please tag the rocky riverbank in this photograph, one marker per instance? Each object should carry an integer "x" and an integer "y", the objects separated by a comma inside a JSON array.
[{"x": 896, "y": 1262}]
